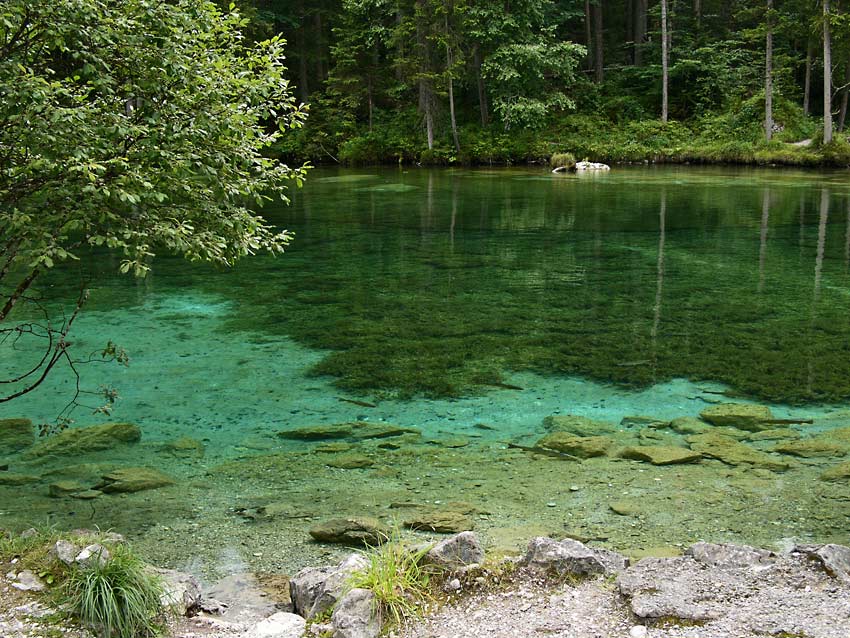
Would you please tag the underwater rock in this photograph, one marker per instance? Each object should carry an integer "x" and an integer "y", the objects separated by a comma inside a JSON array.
[
  {"x": 583, "y": 447},
  {"x": 689, "y": 425},
  {"x": 279, "y": 625},
  {"x": 743, "y": 416},
  {"x": 732, "y": 452},
  {"x": 571, "y": 557},
  {"x": 318, "y": 432},
  {"x": 65, "y": 488},
  {"x": 840, "y": 472},
  {"x": 774, "y": 435},
  {"x": 366, "y": 430},
  {"x": 315, "y": 590},
  {"x": 578, "y": 425},
  {"x": 133, "y": 479},
  {"x": 15, "y": 435},
  {"x": 643, "y": 422},
  {"x": 350, "y": 462},
  {"x": 661, "y": 454},
  {"x": 363, "y": 530},
  {"x": 651, "y": 436},
  {"x": 12, "y": 478},
  {"x": 811, "y": 448},
  {"x": 356, "y": 615},
  {"x": 185, "y": 447},
  {"x": 458, "y": 551},
  {"x": 80, "y": 441},
  {"x": 333, "y": 448},
  {"x": 442, "y": 521},
  {"x": 625, "y": 508}
]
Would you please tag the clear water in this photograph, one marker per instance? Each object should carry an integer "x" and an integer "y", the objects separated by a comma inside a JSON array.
[{"x": 451, "y": 300}]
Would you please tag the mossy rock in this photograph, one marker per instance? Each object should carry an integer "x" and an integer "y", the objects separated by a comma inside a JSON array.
[
  {"x": 350, "y": 462},
  {"x": 15, "y": 435},
  {"x": 641, "y": 421},
  {"x": 66, "y": 488},
  {"x": 185, "y": 447},
  {"x": 811, "y": 448},
  {"x": 688, "y": 425},
  {"x": 363, "y": 530},
  {"x": 13, "y": 478},
  {"x": 578, "y": 425},
  {"x": 442, "y": 521},
  {"x": 840, "y": 472},
  {"x": 81, "y": 441},
  {"x": 777, "y": 434},
  {"x": 732, "y": 452},
  {"x": 583, "y": 447},
  {"x": 318, "y": 432},
  {"x": 133, "y": 479},
  {"x": 744, "y": 416},
  {"x": 661, "y": 454}
]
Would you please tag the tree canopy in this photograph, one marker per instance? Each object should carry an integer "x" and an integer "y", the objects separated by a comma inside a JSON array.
[{"x": 138, "y": 126}]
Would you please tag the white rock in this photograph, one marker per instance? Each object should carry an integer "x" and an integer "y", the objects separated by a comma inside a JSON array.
[
  {"x": 638, "y": 631},
  {"x": 91, "y": 554},
  {"x": 279, "y": 625},
  {"x": 28, "y": 581}
]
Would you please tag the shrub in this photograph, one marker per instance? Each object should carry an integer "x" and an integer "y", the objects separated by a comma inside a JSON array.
[
  {"x": 562, "y": 160},
  {"x": 117, "y": 597}
]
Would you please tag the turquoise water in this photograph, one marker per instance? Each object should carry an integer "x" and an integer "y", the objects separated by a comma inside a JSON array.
[{"x": 471, "y": 304}]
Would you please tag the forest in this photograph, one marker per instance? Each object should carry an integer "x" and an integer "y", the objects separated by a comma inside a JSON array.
[{"x": 509, "y": 81}]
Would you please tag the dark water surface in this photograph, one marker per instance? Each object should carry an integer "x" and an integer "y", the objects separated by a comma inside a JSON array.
[{"x": 471, "y": 304}]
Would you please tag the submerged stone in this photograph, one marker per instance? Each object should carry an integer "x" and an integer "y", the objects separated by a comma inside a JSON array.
[
  {"x": 689, "y": 425},
  {"x": 774, "y": 435},
  {"x": 443, "y": 521},
  {"x": 640, "y": 421},
  {"x": 333, "y": 447},
  {"x": 185, "y": 447},
  {"x": 811, "y": 448},
  {"x": 65, "y": 488},
  {"x": 625, "y": 508},
  {"x": 133, "y": 479},
  {"x": 583, "y": 447},
  {"x": 661, "y": 454},
  {"x": 15, "y": 435},
  {"x": 839, "y": 472},
  {"x": 13, "y": 478},
  {"x": 743, "y": 416},
  {"x": 318, "y": 432},
  {"x": 733, "y": 452},
  {"x": 80, "y": 441},
  {"x": 363, "y": 530},
  {"x": 350, "y": 462},
  {"x": 578, "y": 425}
]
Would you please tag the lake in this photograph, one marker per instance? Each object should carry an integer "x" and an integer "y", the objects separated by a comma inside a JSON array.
[{"x": 466, "y": 307}]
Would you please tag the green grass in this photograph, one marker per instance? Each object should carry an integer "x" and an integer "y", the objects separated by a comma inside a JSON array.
[
  {"x": 397, "y": 578},
  {"x": 117, "y": 597}
]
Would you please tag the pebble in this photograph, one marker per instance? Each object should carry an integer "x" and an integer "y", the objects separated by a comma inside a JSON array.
[{"x": 638, "y": 631}]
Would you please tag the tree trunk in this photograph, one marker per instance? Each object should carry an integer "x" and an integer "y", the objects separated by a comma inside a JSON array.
[
  {"x": 827, "y": 75},
  {"x": 426, "y": 91},
  {"x": 320, "y": 66},
  {"x": 768, "y": 75},
  {"x": 588, "y": 39},
  {"x": 300, "y": 46},
  {"x": 845, "y": 91},
  {"x": 599, "y": 71},
  {"x": 449, "y": 65},
  {"x": 698, "y": 11},
  {"x": 807, "y": 84},
  {"x": 371, "y": 101},
  {"x": 630, "y": 30},
  {"x": 482, "y": 91},
  {"x": 664, "y": 61},
  {"x": 639, "y": 30}
]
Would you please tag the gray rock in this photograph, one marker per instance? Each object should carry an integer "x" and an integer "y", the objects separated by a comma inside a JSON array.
[
  {"x": 92, "y": 554},
  {"x": 834, "y": 558},
  {"x": 728, "y": 555},
  {"x": 457, "y": 551},
  {"x": 571, "y": 557},
  {"x": 279, "y": 625},
  {"x": 181, "y": 591},
  {"x": 133, "y": 479},
  {"x": 28, "y": 581},
  {"x": 355, "y": 616},
  {"x": 64, "y": 551},
  {"x": 317, "y": 589}
]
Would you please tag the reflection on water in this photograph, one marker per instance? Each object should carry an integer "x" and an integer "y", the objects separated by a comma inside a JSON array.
[{"x": 471, "y": 305}]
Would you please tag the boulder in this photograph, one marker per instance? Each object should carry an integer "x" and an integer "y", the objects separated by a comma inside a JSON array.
[
  {"x": 315, "y": 590},
  {"x": 64, "y": 551},
  {"x": 590, "y": 166},
  {"x": 28, "y": 581},
  {"x": 732, "y": 452},
  {"x": 15, "y": 435},
  {"x": 571, "y": 557},
  {"x": 728, "y": 555},
  {"x": 811, "y": 448},
  {"x": 91, "y": 555},
  {"x": 181, "y": 591},
  {"x": 578, "y": 425},
  {"x": 661, "y": 454},
  {"x": 355, "y": 616},
  {"x": 185, "y": 447},
  {"x": 279, "y": 625},
  {"x": 834, "y": 558},
  {"x": 840, "y": 472},
  {"x": 688, "y": 425},
  {"x": 363, "y": 530},
  {"x": 443, "y": 521},
  {"x": 458, "y": 551},
  {"x": 583, "y": 447},
  {"x": 66, "y": 488},
  {"x": 13, "y": 478},
  {"x": 81, "y": 441},
  {"x": 744, "y": 416},
  {"x": 133, "y": 479}
]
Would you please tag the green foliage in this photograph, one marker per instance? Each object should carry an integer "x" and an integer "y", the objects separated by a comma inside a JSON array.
[
  {"x": 562, "y": 160},
  {"x": 397, "y": 578},
  {"x": 118, "y": 597}
]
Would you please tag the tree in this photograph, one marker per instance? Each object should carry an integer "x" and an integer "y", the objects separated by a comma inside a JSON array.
[
  {"x": 768, "y": 74},
  {"x": 136, "y": 126},
  {"x": 827, "y": 75},
  {"x": 665, "y": 62}
]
